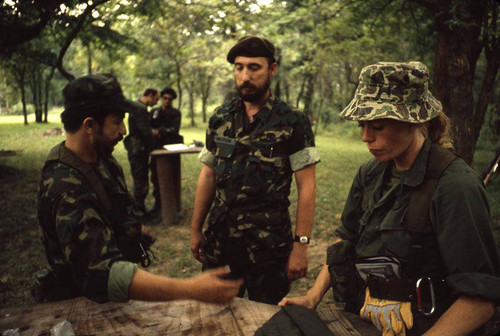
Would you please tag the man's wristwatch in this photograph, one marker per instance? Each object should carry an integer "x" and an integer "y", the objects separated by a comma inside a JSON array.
[{"x": 302, "y": 239}]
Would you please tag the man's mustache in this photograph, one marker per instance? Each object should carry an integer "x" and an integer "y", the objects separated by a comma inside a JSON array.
[{"x": 247, "y": 85}]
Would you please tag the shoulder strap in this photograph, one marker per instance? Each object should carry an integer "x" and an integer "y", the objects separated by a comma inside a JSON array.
[
  {"x": 417, "y": 215},
  {"x": 64, "y": 155}
]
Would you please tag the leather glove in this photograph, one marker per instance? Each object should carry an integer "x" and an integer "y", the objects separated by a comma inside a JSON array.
[{"x": 390, "y": 317}]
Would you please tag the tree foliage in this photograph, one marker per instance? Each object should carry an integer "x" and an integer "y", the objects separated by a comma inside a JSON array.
[{"x": 322, "y": 46}]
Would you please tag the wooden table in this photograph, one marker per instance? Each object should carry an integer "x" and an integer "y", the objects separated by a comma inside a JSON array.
[
  {"x": 168, "y": 166},
  {"x": 240, "y": 318}
]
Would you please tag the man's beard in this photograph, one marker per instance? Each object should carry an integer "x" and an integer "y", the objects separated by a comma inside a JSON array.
[
  {"x": 253, "y": 93},
  {"x": 103, "y": 147}
]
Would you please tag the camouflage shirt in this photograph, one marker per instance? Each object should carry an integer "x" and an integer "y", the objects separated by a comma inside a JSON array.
[
  {"x": 80, "y": 239},
  {"x": 254, "y": 162}
]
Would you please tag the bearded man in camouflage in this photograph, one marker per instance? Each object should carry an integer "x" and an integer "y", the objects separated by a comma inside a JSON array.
[
  {"x": 90, "y": 228},
  {"x": 254, "y": 145}
]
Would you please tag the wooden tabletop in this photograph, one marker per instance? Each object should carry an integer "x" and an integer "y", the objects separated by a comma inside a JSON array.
[{"x": 186, "y": 317}]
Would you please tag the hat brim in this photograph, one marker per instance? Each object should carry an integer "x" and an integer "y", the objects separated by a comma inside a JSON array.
[{"x": 420, "y": 111}]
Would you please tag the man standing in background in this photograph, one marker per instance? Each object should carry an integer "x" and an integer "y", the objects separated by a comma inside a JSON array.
[
  {"x": 139, "y": 143},
  {"x": 166, "y": 122}
]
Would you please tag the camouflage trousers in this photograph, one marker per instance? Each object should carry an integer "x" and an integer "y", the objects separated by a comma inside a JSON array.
[
  {"x": 263, "y": 283},
  {"x": 139, "y": 168}
]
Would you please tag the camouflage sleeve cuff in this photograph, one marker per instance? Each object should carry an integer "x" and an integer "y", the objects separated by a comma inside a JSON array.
[
  {"x": 120, "y": 276},
  {"x": 304, "y": 158},
  {"x": 206, "y": 157}
]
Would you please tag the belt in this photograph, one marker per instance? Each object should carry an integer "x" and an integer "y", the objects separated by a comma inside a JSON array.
[{"x": 403, "y": 289}]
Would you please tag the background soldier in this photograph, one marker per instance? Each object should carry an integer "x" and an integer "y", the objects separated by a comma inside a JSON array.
[
  {"x": 166, "y": 122},
  {"x": 90, "y": 228},
  {"x": 253, "y": 146},
  {"x": 139, "y": 143}
]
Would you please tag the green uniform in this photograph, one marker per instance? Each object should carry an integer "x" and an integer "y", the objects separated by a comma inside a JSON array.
[
  {"x": 249, "y": 225},
  {"x": 81, "y": 240},
  {"x": 460, "y": 249},
  {"x": 139, "y": 143},
  {"x": 167, "y": 122}
]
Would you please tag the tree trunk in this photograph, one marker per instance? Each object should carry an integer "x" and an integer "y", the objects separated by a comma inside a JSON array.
[
  {"x": 48, "y": 80},
  {"x": 89, "y": 59},
  {"x": 23, "y": 100},
  {"x": 207, "y": 85},
  {"x": 301, "y": 91},
  {"x": 179, "y": 83},
  {"x": 191, "y": 103},
  {"x": 308, "y": 98},
  {"x": 457, "y": 52}
]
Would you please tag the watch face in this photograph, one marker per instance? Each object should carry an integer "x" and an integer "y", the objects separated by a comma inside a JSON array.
[{"x": 304, "y": 240}]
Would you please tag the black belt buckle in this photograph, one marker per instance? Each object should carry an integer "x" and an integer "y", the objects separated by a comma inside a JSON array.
[{"x": 419, "y": 288}]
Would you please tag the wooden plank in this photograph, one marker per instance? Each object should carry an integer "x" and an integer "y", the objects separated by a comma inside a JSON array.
[
  {"x": 251, "y": 315},
  {"x": 344, "y": 323},
  {"x": 161, "y": 318},
  {"x": 35, "y": 320},
  {"x": 240, "y": 318}
]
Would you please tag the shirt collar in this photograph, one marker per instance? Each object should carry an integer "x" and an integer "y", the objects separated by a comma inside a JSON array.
[
  {"x": 264, "y": 112},
  {"x": 415, "y": 174}
]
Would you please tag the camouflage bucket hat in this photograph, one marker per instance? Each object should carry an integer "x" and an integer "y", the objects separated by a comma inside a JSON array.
[
  {"x": 97, "y": 91},
  {"x": 393, "y": 90}
]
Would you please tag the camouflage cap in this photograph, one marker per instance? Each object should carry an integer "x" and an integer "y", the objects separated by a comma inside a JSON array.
[
  {"x": 393, "y": 90},
  {"x": 97, "y": 91},
  {"x": 251, "y": 46}
]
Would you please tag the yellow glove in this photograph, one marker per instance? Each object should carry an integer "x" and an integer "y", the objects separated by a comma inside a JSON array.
[{"x": 388, "y": 316}]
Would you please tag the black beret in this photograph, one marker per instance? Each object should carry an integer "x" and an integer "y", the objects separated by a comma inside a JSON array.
[{"x": 251, "y": 46}]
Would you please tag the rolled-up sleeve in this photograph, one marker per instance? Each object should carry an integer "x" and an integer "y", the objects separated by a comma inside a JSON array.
[
  {"x": 206, "y": 157},
  {"x": 303, "y": 150},
  {"x": 120, "y": 277},
  {"x": 460, "y": 215}
]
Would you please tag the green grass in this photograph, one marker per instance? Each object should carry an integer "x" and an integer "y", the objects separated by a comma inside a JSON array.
[{"x": 22, "y": 253}]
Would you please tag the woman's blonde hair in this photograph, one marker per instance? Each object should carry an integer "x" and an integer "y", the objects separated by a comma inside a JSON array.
[{"x": 437, "y": 130}]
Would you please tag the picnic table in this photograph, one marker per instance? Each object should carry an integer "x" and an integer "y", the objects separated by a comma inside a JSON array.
[
  {"x": 168, "y": 166},
  {"x": 185, "y": 317}
]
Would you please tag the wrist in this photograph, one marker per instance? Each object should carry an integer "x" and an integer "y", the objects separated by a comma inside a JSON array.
[{"x": 302, "y": 239}]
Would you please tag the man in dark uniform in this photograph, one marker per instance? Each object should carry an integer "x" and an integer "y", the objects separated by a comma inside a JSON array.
[
  {"x": 254, "y": 145},
  {"x": 139, "y": 143},
  {"x": 88, "y": 220},
  {"x": 166, "y": 122}
]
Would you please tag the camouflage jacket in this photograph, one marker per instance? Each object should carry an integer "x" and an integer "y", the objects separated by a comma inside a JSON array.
[
  {"x": 80, "y": 238},
  {"x": 254, "y": 162},
  {"x": 140, "y": 137}
]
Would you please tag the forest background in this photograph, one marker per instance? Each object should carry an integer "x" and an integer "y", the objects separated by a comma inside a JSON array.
[{"x": 322, "y": 46}]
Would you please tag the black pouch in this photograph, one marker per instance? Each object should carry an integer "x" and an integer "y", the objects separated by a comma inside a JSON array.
[
  {"x": 137, "y": 250},
  {"x": 347, "y": 285}
]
